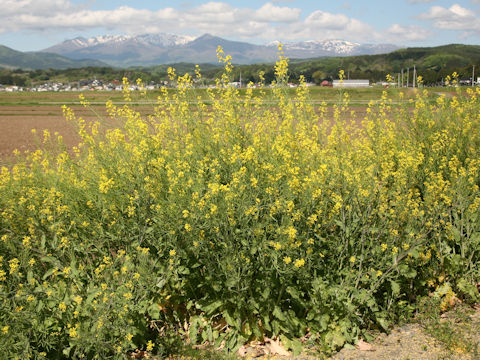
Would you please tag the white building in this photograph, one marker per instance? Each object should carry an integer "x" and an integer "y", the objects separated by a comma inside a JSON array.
[{"x": 351, "y": 83}]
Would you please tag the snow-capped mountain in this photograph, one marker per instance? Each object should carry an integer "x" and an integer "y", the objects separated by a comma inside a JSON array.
[
  {"x": 164, "y": 40},
  {"x": 312, "y": 48},
  {"x": 152, "y": 49},
  {"x": 338, "y": 47},
  {"x": 99, "y": 43}
]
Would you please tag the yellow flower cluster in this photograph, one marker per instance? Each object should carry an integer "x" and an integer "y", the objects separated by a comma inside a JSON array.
[{"x": 187, "y": 212}]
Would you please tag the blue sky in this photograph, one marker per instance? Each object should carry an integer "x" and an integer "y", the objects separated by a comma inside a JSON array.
[{"x": 30, "y": 25}]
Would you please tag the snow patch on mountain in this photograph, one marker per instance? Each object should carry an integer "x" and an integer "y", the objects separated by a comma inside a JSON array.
[{"x": 164, "y": 40}]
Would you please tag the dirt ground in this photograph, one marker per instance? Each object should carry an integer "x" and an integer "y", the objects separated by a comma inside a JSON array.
[
  {"x": 18, "y": 120},
  {"x": 454, "y": 336}
]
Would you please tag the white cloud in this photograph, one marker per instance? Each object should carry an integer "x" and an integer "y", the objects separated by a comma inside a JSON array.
[
  {"x": 323, "y": 20},
  {"x": 270, "y": 12},
  {"x": 399, "y": 33},
  {"x": 267, "y": 22},
  {"x": 455, "y": 17}
]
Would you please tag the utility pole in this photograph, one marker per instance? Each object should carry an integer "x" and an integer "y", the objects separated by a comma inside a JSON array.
[
  {"x": 398, "y": 80},
  {"x": 414, "y": 75},
  {"x": 473, "y": 76},
  {"x": 402, "y": 77}
]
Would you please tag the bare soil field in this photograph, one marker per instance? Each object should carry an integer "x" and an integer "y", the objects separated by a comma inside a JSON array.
[
  {"x": 17, "y": 122},
  {"x": 20, "y": 113}
]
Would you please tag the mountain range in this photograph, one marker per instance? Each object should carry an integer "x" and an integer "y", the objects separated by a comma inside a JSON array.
[
  {"x": 154, "y": 49},
  {"x": 12, "y": 59}
]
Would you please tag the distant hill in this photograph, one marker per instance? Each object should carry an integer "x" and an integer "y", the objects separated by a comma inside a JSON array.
[
  {"x": 10, "y": 59},
  {"x": 156, "y": 49},
  {"x": 432, "y": 63}
]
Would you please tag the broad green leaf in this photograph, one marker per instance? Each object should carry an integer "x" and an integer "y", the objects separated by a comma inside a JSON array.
[{"x": 279, "y": 314}]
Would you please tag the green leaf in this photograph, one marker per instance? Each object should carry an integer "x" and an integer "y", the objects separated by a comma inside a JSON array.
[
  {"x": 293, "y": 293},
  {"x": 324, "y": 322},
  {"x": 193, "y": 331},
  {"x": 232, "y": 342},
  {"x": 48, "y": 273},
  {"x": 29, "y": 275},
  {"x": 336, "y": 339},
  {"x": 266, "y": 293},
  {"x": 266, "y": 323},
  {"x": 383, "y": 323},
  {"x": 278, "y": 314},
  {"x": 468, "y": 288},
  {"x": 210, "y": 308},
  {"x": 230, "y": 321},
  {"x": 66, "y": 351},
  {"x": 183, "y": 270},
  {"x": 395, "y": 288},
  {"x": 161, "y": 283},
  {"x": 296, "y": 346},
  {"x": 154, "y": 311},
  {"x": 149, "y": 230}
]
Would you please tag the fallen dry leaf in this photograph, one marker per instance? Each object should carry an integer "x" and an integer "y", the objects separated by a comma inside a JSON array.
[
  {"x": 242, "y": 351},
  {"x": 276, "y": 348},
  {"x": 364, "y": 346}
]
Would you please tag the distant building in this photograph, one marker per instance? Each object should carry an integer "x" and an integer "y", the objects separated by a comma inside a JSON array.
[{"x": 351, "y": 83}]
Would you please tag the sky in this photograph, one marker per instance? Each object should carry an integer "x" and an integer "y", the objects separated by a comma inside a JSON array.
[{"x": 31, "y": 25}]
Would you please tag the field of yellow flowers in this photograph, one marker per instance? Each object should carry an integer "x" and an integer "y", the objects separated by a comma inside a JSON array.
[{"x": 230, "y": 221}]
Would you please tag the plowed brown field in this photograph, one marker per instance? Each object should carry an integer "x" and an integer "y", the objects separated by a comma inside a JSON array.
[{"x": 22, "y": 112}]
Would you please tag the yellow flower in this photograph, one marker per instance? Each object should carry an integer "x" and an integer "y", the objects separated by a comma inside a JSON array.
[
  {"x": 72, "y": 332},
  {"x": 150, "y": 345},
  {"x": 62, "y": 307},
  {"x": 26, "y": 241},
  {"x": 287, "y": 259},
  {"x": 277, "y": 246},
  {"x": 173, "y": 252},
  {"x": 5, "y": 329},
  {"x": 128, "y": 337},
  {"x": 13, "y": 264},
  {"x": 299, "y": 263},
  {"x": 352, "y": 259}
]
